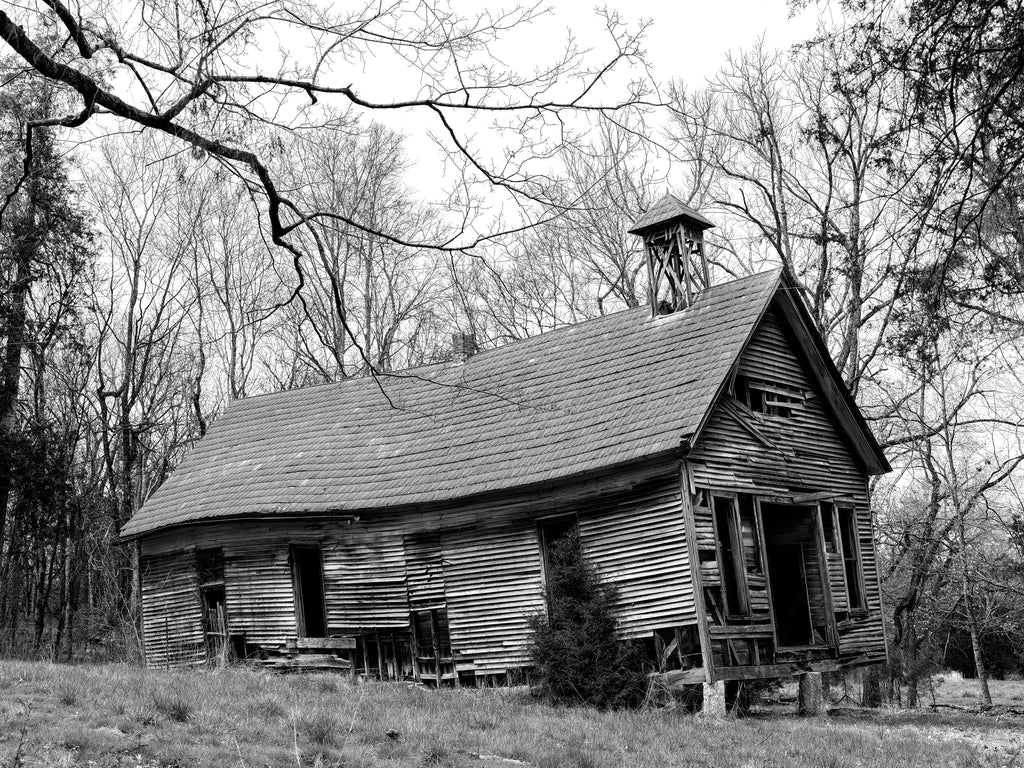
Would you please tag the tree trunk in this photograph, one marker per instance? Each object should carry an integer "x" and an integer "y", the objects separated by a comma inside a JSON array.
[
  {"x": 972, "y": 617},
  {"x": 10, "y": 369},
  {"x": 910, "y": 662}
]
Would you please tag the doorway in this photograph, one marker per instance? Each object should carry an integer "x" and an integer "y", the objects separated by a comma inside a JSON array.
[
  {"x": 308, "y": 575},
  {"x": 798, "y": 589}
]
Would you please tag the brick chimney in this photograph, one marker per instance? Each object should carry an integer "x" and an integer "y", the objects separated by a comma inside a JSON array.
[
  {"x": 677, "y": 269},
  {"x": 463, "y": 346}
]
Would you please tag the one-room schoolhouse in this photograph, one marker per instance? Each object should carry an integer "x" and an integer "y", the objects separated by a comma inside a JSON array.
[{"x": 703, "y": 447}]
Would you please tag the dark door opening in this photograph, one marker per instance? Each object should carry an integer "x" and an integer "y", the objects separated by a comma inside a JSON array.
[
  {"x": 210, "y": 575},
  {"x": 308, "y": 571},
  {"x": 794, "y": 572},
  {"x": 789, "y": 594}
]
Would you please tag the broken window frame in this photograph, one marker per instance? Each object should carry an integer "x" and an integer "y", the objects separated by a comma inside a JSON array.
[
  {"x": 829, "y": 527},
  {"x": 440, "y": 642},
  {"x": 569, "y": 525},
  {"x": 735, "y": 564},
  {"x": 209, "y": 569},
  {"x": 849, "y": 539},
  {"x": 767, "y": 397}
]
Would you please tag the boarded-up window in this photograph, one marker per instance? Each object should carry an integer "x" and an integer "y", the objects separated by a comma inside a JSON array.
[
  {"x": 766, "y": 397},
  {"x": 424, "y": 572}
]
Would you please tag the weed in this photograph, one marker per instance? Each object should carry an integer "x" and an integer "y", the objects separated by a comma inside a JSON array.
[
  {"x": 438, "y": 755},
  {"x": 321, "y": 728},
  {"x": 267, "y": 709},
  {"x": 175, "y": 704},
  {"x": 67, "y": 693},
  {"x": 326, "y": 685}
]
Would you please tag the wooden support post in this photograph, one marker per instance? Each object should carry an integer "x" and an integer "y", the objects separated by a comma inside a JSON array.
[
  {"x": 810, "y": 700},
  {"x": 714, "y": 700},
  {"x": 871, "y": 687}
]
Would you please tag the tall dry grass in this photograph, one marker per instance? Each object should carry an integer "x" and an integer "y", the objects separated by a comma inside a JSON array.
[{"x": 115, "y": 715}]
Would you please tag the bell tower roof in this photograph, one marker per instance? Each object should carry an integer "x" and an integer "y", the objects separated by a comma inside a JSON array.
[{"x": 667, "y": 211}]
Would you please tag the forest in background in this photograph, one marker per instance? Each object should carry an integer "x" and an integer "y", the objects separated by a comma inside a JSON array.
[{"x": 206, "y": 248}]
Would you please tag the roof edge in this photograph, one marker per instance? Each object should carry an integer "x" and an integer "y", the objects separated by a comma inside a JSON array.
[
  {"x": 653, "y": 459},
  {"x": 837, "y": 395},
  {"x": 750, "y": 334}
]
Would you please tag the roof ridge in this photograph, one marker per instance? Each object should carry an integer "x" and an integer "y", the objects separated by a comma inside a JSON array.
[{"x": 447, "y": 365}]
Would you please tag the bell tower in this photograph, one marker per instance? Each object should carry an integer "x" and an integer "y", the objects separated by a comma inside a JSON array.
[{"x": 677, "y": 268}]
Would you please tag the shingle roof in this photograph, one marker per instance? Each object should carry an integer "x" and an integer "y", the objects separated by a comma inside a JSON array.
[
  {"x": 573, "y": 400},
  {"x": 666, "y": 210}
]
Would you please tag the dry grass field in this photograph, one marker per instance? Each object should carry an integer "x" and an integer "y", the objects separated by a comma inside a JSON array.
[{"x": 122, "y": 716}]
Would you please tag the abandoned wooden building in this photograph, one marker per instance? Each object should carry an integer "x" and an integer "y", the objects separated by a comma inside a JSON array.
[{"x": 704, "y": 448}]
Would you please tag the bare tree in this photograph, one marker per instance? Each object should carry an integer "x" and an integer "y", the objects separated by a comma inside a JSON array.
[
  {"x": 204, "y": 74},
  {"x": 803, "y": 150}
]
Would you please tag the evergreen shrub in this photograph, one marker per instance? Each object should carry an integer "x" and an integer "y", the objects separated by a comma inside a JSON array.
[{"x": 576, "y": 656}]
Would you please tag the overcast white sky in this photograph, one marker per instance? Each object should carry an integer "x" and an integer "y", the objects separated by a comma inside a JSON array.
[
  {"x": 685, "y": 40},
  {"x": 689, "y": 40}
]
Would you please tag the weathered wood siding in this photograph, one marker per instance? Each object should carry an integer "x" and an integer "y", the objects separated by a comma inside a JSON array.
[
  {"x": 493, "y": 585},
  {"x": 638, "y": 543},
  {"x": 806, "y": 454},
  {"x": 493, "y": 566},
  {"x": 361, "y": 587},
  {"x": 482, "y": 560},
  {"x": 364, "y": 576},
  {"x": 258, "y": 590},
  {"x": 171, "y": 612}
]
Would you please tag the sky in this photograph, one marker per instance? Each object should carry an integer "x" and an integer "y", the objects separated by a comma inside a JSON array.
[
  {"x": 690, "y": 40},
  {"x": 684, "y": 40}
]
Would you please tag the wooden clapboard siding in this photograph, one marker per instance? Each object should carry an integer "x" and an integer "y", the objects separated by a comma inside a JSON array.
[
  {"x": 364, "y": 576},
  {"x": 171, "y": 612},
  {"x": 258, "y": 591},
  {"x": 837, "y": 581},
  {"x": 493, "y": 585},
  {"x": 483, "y": 560},
  {"x": 638, "y": 543},
  {"x": 807, "y": 451}
]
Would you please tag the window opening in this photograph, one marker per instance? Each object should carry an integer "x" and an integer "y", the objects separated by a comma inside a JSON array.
[
  {"x": 731, "y": 562},
  {"x": 433, "y": 643},
  {"x": 798, "y": 580},
  {"x": 851, "y": 558},
  {"x": 308, "y": 574},
  {"x": 558, "y": 531},
  {"x": 828, "y": 527},
  {"x": 210, "y": 575},
  {"x": 767, "y": 398}
]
